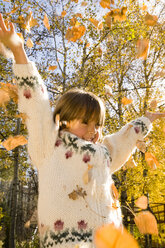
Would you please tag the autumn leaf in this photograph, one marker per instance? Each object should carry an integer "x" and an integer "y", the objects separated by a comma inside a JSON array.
[
  {"x": 23, "y": 116},
  {"x": 144, "y": 7},
  {"x": 151, "y": 160},
  {"x": 142, "y": 48},
  {"x": 114, "y": 191},
  {"x": 83, "y": 4},
  {"x": 141, "y": 146},
  {"x": 150, "y": 20},
  {"x": 142, "y": 202},
  {"x": 14, "y": 141},
  {"x": 75, "y": 33},
  {"x": 126, "y": 101},
  {"x": 63, "y": 13},
  {"x": 94, "y": 22},
  {"x": 52, "y": 68},
  {"x": 130, "y": 163},
  {"x": 73, "y": 21},
  {"x": 105, "y": 3},
  {"x": 146, "y": 223},
  {"x": 119, "y": 14},
  {"x": 76, "y": 1},
  {"x": 108, "y": 236},
  {"x": 14, "y": 10},
  {"x": 46, "y": 22},
  {"x": 29, "y": 43},
  {"x": 87, "y": 175},
  {"x": 4, "y": 97},
  {"x": 153, "y": 104},
  {"x": 108, "y": 20}
]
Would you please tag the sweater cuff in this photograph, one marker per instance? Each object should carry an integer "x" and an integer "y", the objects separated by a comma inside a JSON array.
[
  {"x": 24, "y": 70},
  {"x": 142, "y": 124}
]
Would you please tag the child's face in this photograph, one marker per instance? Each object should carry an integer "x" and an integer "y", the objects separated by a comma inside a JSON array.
[{"x": 88, "y": 131}]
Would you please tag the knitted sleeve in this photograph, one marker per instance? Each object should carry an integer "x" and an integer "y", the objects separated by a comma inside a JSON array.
[
  {"x": 123, "y": 143},
  {"x": 34, "y": 102}
]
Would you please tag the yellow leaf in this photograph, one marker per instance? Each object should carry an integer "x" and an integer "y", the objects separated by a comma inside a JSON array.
[
  {"x": 142, "y": 48},
  {"x": 108, "y": 236},
  {"x": 151, "y": 160},
  {"x": 146, "y": 223},
  {"x": 46, "y": 22},
  {"x": 126, "y": 101},
  {"x": 21, "y": 36},
  {"x": 52, "y": 68},
  {"x": 142, "y": 202},
  {"x": 63, "y": 13},
  {"x": 150, "y": 20},
  {"x": 13, "y": 142},
  {"x": 84, "y": 4},
  {"x": 29, "y": 43}
]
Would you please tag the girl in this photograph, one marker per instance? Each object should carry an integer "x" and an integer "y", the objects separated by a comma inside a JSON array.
[{"x": 75, "y": 186}]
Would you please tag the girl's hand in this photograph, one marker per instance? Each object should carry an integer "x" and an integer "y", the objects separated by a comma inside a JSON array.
[
  {"x": 154, "y": 116},
  {"x": 8, "y": 37}
]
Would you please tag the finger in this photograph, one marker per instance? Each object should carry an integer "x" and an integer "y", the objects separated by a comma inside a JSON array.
[
  {"x": 2, "y": 23},
  {"x": 12, "y": 29}
]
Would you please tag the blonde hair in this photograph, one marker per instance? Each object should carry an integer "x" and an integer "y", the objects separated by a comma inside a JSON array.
[{"x": 79, "y": 104}]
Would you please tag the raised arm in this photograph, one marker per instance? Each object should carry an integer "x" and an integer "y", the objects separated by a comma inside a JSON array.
[
  {"x": 123, "y": 143},
  {"x": 33, "y": 98}
]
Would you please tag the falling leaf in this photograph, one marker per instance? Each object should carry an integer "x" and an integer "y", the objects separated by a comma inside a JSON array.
[
  {"x": 14, "y": 10},
  {"x": 27, "y": 224},
  {"x": 4, "y": 97},
  {"x": 150, "y": 20},
  {"x": 130, "y": 163},
  {"x": 14, "y": 141},
  {"x": 151, "y": 160},
  {"x": 21, "y": 36},
  {"x": 142, "y": 202},
  {"x": 75, "y": 33},
  {"x": 142, "y": 48},
  {"x": 87, "y": 175},
  {"x": 146, "y": 223},
  {"x": 108, "y": 236},
  {"x": 79, "y": 15},
  {"x": 144, "y": 7},
  {"x": 29, "y": 43},
  {"x": 76, "y": 1},
  {"x": 153, "y": 104},
  {"x": 88, "y": 45},
  {"x": 160, "y": 74},
  {"x": 141, "y": 145},
  {"x": 83, "y": 4},
  {"x": 118, "y": 14},
  {"x": 46, "y": 22},
  {"x": 108, "y": 90},
  {"x": 126, "y": 101},
  {"x": 63, "y": 13},
  {"x": 105, "y": 3},
  {"x": 94, "y": 22},
  {"x": 114, "y": 191},
  {"x": 108, "y": 20},
  {"x": 73, "y": 21},
  {"x": 52, "y": 68}
]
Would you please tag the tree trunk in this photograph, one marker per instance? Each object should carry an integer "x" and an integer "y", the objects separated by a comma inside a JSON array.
[{"x": 14, "y": 194}]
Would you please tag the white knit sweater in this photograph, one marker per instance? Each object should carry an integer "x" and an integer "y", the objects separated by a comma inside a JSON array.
[{"x": 75, "y": 195}]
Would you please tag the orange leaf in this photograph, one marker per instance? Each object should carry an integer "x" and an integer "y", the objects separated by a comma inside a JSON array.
[
  {"x": 46, "y": 22},
  {"x": 151, "y": 160},
  {"x": 153, "y": 104},
  {"x": 114, "y": 191},
  {"x": 83, "y": 4},
  {"x": 146, "y": 223},
  {"x": 141, "y": 146},
  {"x": 94, "y": 22},
  {"x": 142, "y": 202},
  {"x": 63, "y": 13},
  {"x": 108, "y": 21},
  {"x": 29, "y": 43},
  {"x": 76, "y": 1},
  {"x": 142, "y": 48},
  {"x": 4, "y": 97},
  {"x": 14, "y": 10},
  {"x": 144, "y": 7},
  {"x": 73, "y": 21},
  {"x": 130, "y": 163},
  {"x": 105, "y": 3},
  {"x": 126, "y": 101},
  {"x": 13, "y": 142},
  {"x": 150, "y": 20},
  {"x": 108, "y": 236},
  {"x": 75, "y": 33},
  {"x": 119, "y": 14},
  {"x": 52, "y": 68}
]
